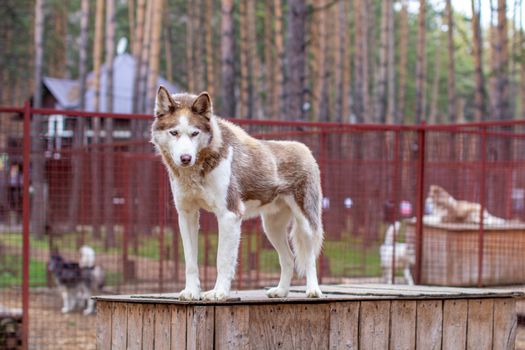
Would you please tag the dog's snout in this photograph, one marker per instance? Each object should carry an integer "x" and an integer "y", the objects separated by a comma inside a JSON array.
[{"x": 185, "y": 159}]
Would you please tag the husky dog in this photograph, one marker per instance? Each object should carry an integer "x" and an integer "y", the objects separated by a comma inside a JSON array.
[
  {"x": 215, "y": 165},
  {"x": 77, "y": 281},
  {"x": 449, "y": 209},
  {"x": 404, "y": 256}
]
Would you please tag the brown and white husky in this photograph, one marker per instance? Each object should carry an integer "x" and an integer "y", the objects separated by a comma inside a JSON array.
[{"x": 215, "y": 165}]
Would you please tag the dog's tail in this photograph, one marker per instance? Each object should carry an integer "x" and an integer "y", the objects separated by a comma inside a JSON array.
[
  {"x": 87, "y": 257},
  {"x": 389, "y": 235},
  {"x": 307, "y": 230}
]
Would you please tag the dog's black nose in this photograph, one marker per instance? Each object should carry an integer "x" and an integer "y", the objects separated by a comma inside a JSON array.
[{"x": 185, "y": 159}]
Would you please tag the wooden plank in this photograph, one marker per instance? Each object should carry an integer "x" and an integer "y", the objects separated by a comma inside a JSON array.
[
  {"x": 232, "y": 327},
  {"x": 135, "y": 315},
  {"x": 119, "y": 326},
  {"x": 429, "y": 324},
  {"x": 289, "y": 326},
  {"x": 403, "y": 324},
  {"x": 479, "y": 324},
  {"x": 200, "y": 331},
  {"x": 162, "y": 327},
  {"x": 374, "y": 320},
  {"x": 344, "y": 325},
  {"x": 505, "y": 324},
  {"x": 178, "y": 327},
  {"x": 103, "y": 325},
  {"x": 455, "y": 324},
  {"x": 148, "y": 327}
]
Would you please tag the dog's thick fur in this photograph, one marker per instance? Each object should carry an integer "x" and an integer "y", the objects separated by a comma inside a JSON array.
[
  {"x": 215, "y": 165},
  {"x": 76, "y": 282},
  {"x": 448, "y": 209}
]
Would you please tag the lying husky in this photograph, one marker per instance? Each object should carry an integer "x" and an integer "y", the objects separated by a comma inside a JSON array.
[
  {"x": 404, "y": 255},
  {"x": 77, "y": 281},
  {"x": 447, "y": 209},
  {"x": 215, "y": 165}
]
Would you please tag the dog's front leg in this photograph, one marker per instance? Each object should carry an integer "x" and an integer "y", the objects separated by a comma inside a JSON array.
[
  {"x": 189, "y": 228},
  {"x": 229, "y": 237}
]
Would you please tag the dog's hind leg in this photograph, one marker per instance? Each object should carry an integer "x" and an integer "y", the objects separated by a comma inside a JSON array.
[
  {"x": 189, "y": 228},
  {"x": 275, "y": 226},
  {"x": 307, "y": 238}
]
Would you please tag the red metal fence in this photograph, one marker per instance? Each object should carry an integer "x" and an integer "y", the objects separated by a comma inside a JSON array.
[{"x": 114, "y": 196}]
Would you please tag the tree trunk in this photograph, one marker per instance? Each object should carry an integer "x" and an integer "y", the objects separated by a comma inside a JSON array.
[
  {"x": 254, "y": 59},
  {"x": 479, "y": 98},
  {"x": 210, "y": 55},
  {"x": 362, "y": 94},
  {"x": 78, "y": 136},
  {"x": 227, "y": 60},
  {"x": 95, "y": 161},
  {"x": 421, "y": 63},
  {"x": 433, "y": 116},
  {"x": 137, "y": 53},
  {"x": 269, "y": 63},
  {"x": 318, "y": 53},
  {"x": 144, "y": 69},
  {"x": 295, "y": 59},
  {"x": 381, "y": 77},
  {"x": 131, "y": 20},
  {"x": 391, "y": 87},
  {"x": 278, "y": 102},
  {"x": 244, "y": 105},
  {"x": 167, "y": 48},
  {"x": 154, "y": 54},
  {"x": 190, "y": 70},
  {"x": 346, "y": 65},
  {"x": 451, "y": 78},
  {"x": 109, "y": 168},
  {"x": 403, "y": 61},
  {"x": 502, "y": 63},
  {"x": 39, "y": 202}
]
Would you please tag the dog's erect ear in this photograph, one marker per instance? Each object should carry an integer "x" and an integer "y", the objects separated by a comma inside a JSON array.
[
  {"x": 202, "y": 105},
  {"x": 164, "y": 103}
]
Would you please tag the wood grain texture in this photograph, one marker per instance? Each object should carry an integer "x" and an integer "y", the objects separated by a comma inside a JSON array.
[
  {"x": 148, "y": 327},
  {"x": 162, "y": 327},
  {"x": 135, "y": 315},
  {"x": 344, "y": 325},
  {"x": 403, "y": 324},
  {"x": 103, "y": 325},
  {"x": 178, "y": 327},
  {"x": 232, "y": 327},
  {"x": 455, "y": 324},
  {"x": 479, "y": 324},
  {"x": 374, "y": 325},
  {"x": 286, "y": 326},
  {"x": 199, "y": 328},
  {"x": 429, "y": 324},
  {"x": 119, "y": 327},
  {"x": 505, "y": 324}
]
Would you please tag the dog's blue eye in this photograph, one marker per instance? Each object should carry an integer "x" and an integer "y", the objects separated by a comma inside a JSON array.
[
  {"x": 195, "y": 133},
  {"x": 174, "y": 132}
]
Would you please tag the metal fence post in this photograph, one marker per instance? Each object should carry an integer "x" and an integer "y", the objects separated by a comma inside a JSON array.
[
  {"x": 420, "y": 205},
  {"x": 483, "y": 151},
  {"x": 25, "y": 225}
]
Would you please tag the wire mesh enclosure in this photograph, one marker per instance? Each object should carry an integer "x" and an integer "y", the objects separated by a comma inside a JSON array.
[{"x": 72, "y": 179}]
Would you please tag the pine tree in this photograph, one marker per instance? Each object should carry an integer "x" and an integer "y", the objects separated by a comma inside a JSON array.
[{"x": 227, "y": 60}]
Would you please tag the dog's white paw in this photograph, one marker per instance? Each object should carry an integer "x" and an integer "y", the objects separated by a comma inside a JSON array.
[
  {"x": 188, "y": 294},
  {"x": 277, "y": 292},
  {"x": 314, "y": 292},
  {"x": 88, "y": 312},
  {"x": 214, "y": 294},
  {"x": 66, "y": 310}
]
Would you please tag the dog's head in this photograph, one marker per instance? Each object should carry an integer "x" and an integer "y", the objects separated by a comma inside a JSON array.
[
  {"x": 55, "y": 262},
  {"x": 438, "y": 195},
  {"x": 182, "y": 126}
]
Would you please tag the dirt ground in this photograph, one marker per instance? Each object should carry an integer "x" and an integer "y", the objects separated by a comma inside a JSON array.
[{"x": 50, "y": 329}]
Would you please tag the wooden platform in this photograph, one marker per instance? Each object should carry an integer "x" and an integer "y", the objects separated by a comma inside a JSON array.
[
  {"x": 346, "y": 317},
  {"x": 450, "y": 254}
]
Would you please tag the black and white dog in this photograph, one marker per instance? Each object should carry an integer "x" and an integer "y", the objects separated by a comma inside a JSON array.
[{"x": 76, "y": 281}]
